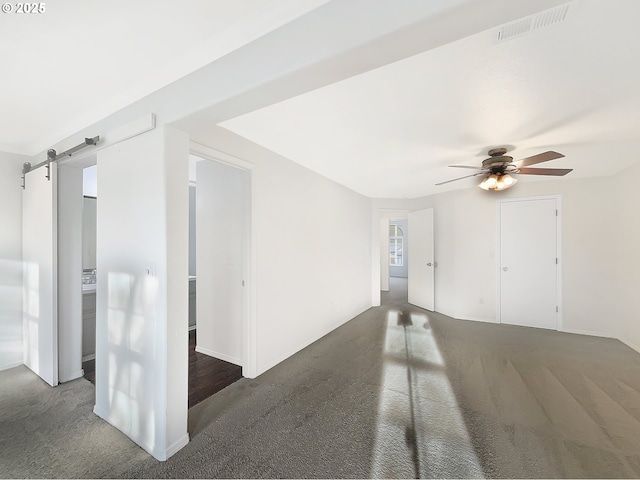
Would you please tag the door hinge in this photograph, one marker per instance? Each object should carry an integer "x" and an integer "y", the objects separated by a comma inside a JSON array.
[
  {"x": 243, "y": 283},
  {"x": 556, "y": 260},
  {"x": 556, "y": 212},
  {"x": 556, "y": 309}
]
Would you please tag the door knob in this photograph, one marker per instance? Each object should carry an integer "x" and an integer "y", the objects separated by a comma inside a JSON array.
[
  {"x": 429, "y": 264},
  {"x": 505, "y": 268}
]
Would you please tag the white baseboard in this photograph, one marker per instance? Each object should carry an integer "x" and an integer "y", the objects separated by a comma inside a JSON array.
[
  {"x": 176, "y": 446},
  {"x": 72, "y": 376},
  {"x": 192, "y": 327},
  {"x": 631, "y": 345},
  {"x": 86, "y": 358},
  {"x": 586, "y": 332},
  {"x": 156, "y": 452},
  {"x": 107, "y": 418},
  {"x": 220, "y": 356},
  {"x": 10, "y": 365},
  {"x": 603, "y": 335},
  {"x": 98, "y": 411},
  {"x": 478, "y": 319}
]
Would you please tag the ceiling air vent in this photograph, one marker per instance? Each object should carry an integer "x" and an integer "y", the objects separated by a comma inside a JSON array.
[
  {"x": 514, "y": 29},
  {"x": 533, "y": 22}
]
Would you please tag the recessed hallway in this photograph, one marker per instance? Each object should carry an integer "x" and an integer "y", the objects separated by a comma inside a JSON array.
[
  {"x": 396, "y": 392},
  {"x": 207, "y": 375}
]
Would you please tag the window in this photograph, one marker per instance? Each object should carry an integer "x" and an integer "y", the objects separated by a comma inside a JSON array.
[{"x": 396, "y": 244}]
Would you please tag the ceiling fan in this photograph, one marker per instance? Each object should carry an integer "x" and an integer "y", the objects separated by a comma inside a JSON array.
[{"x": 498, "y": 168}]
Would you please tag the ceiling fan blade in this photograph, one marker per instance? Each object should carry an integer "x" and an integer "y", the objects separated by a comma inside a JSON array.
[
  {"x": 460, "y": 178},
  {"x": 539, "y": 158},
  {"x": 464, "y": 166},
  {"x": 556, "y": 172}
]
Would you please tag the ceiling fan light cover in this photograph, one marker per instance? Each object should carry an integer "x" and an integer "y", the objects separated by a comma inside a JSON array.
[
  {"x": 491, "y": 181},
  {"x": 508, "y": 180},
  {"x": 495, "y": 182}
]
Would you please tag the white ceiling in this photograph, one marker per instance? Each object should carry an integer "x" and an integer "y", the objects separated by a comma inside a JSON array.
[
  {"x": 82, "y": 60},
  {"x": 388, "y": 132},
  {"x": 392, "y": 131}
]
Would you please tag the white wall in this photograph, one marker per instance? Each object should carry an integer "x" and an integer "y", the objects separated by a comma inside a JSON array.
[
  {"x": 70, "y": 244},
  {"x": 90, "y": 181},
  {"x": 600, "y": 234},
  {"x": 623, "y": 244},
  {"x": 142, "y": 290},
  {"x": 88, "y": 228},
  {"x": 192, "y": 230},
  {"x": 220, "y": 232},
  {"x": 10, "y": 260},
  {"x": 312, "y": 243},
  {"x": 176, "y": 181},
  {"x": 459, "y": 219}
]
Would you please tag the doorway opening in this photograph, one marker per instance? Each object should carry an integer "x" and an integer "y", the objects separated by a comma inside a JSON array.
[
  {"x": 417, "y": 253},
  {"x": 398, "y": 254},
  {"x": 219, "y": 222},
  {"x": 76, "y": 261},
  {"x": 89, "y": 270},
  {"x": 397, "y": 259},
  {"x": 392, "y": 252}
]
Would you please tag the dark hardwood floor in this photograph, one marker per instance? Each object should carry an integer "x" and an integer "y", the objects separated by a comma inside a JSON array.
[
  {"x": 207, "y": 375},
  {"x": 89, "y": 368}
]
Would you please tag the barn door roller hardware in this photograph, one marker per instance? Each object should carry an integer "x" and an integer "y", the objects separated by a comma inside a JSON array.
[{"x": 52, "y": 156}]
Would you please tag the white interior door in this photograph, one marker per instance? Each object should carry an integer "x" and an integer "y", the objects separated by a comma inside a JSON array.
[
  {"x": 421, "y": 261},
  {"x": 528, "y": 263},
  {"x": 39, "y": 247},
  {"x": 221, "y": 193}
]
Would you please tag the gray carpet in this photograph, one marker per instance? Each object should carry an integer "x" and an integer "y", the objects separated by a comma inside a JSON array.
[{"x": 396, "y": 392}]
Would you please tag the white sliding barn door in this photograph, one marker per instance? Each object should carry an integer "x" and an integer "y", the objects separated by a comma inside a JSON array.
[
  {"x": 528, "y": 263},
  {"x": 39, "y": 256},
  {"x": 421, "y": 262}
]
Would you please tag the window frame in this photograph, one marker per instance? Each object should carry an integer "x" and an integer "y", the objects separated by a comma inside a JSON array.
[{"x": 397, "y": 241}]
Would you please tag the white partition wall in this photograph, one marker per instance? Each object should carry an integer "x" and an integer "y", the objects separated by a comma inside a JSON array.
[
  {"x": 10, "y": 260},
  {"x": 39, "y": 255},
  {"x": 310, "y": 255},
  {"x": 142, "y": 289}
]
